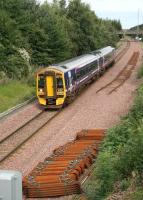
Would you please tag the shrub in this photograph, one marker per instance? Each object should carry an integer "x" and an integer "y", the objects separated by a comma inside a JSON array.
[
  {"x": 140, "y": 72},
  {"x": 121, "y": 155},
  {"x": 116, "y": 137},
  {"x": 105, "y": 176},
  {"x": 124, "y": 184},
  {"x": 136, "y": 195}
]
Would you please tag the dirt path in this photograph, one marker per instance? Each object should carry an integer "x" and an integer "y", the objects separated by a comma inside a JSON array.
[{"x": 90, "y": 110}]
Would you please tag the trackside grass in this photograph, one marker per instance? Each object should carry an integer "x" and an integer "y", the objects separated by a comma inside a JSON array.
[
  {"x": 140, "y": 72},
  {"x": 119, "y": 166},
  {"x": 13, "y": 93}
]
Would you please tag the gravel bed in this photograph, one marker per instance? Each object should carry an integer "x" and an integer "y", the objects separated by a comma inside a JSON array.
[
  {"x": 90, "y": 110},
  {"x": 17, "y": 119},
  {"x": 20, "y": 136}
]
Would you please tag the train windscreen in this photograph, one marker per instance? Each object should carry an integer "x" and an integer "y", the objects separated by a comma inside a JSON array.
[
  {"x": 41, "y": 81},
  {"x": 59, "y": 83}
]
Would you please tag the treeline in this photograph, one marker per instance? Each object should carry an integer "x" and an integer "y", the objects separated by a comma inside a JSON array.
[
  {"x": 136, "y": 27},
  {"x": 36, "y": 35}
]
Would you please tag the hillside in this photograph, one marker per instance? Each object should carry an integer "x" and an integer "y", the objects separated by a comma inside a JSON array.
[
  {"x": 34, "y": 35},
  {"x": 135, "y": 27}
]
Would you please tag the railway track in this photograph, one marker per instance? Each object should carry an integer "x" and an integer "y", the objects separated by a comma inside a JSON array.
[
  {"x": 60, "y": 174},
  {"x": 14, "y": 140},
  {"x": 124, "y": 74},
  {"x": 121, "y": 53}
]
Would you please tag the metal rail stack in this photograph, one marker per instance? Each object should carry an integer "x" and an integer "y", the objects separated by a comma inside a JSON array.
[{"x": 59, "y": 174}]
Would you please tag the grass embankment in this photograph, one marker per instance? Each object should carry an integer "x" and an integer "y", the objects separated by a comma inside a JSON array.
[
  {"x": 119, "y": 166},
  {"x": 13, "y": 93}
]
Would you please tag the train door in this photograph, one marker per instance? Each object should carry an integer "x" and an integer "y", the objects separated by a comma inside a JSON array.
[
  {"x": 60, "y": 85},
  {"x": 101, "y": 61},
  {"x": 70, "y": 78},
  {"x": 50, "y": 86}
]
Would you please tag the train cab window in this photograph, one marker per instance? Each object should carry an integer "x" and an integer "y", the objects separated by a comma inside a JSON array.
[
  {"x": 59, "y": 82},
  {"x": 41, "y": 81}
]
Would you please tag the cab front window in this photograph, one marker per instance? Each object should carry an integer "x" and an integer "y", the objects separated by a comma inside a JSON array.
[
  {"x": 41, "y": 81},
  {"x": 59, "y": 83}
]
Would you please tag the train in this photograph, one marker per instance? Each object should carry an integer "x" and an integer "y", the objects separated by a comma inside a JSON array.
[{"x": 58, "y": 84}]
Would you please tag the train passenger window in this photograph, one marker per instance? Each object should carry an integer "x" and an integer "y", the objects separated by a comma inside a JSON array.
[
  {"x": 41, "y": 81},
  {"x": 83, "y": 72},
  {"x": 78, "y": 75},
  {"x": 96, "y": 64},
  {"x": 90, "y": 67},
  {"x": 108, "y": 56},
  {"x": 59, "y": 83}
]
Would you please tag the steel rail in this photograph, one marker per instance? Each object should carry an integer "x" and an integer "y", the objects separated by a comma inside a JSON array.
[
  {"x": 16, "y": 139},
  {"x": 118, "y": 57}
]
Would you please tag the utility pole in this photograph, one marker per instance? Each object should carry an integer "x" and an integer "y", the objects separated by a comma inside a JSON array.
[{"x": 138, "y": 29}]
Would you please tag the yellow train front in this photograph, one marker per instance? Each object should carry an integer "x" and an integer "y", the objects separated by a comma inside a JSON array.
[
  {"x": 51, "y": 91},
  {"x": 60, "y": 83}
]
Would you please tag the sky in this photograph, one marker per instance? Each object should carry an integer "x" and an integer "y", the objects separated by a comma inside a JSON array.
[{"x": 126, "y": 11}]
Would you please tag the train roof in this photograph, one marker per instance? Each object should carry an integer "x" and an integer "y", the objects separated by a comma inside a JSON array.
[
  {"x": 79, "y": 62},
  {"x": 83, "y": 60},
  {"x": 104, "y": 50}
]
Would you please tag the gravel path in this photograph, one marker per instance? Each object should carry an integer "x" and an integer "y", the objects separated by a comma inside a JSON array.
[{"x": 90, "y": 110}]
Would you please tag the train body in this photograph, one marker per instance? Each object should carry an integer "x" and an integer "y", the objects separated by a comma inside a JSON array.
[{"x": 59, "y": 84}]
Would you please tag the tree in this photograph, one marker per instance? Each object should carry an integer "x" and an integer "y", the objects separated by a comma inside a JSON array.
[
  {"x": 58, "y": 41},
  {"x": 84, "y": 22},
  {"x": 49, "y": 33}
]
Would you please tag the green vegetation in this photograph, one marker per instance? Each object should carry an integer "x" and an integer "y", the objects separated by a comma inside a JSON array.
[
  {"x": 13, "y": 93},
  {"x": 34, "y": 35},
  {"x": 140, "y": 72},
  {"x": 135, "y": 27},
  {"x": 136, "y": 195},
  {"x": 120, "y": 163}
]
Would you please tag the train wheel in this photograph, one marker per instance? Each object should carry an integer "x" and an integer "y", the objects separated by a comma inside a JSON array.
[{"x": 102, "y": 71}]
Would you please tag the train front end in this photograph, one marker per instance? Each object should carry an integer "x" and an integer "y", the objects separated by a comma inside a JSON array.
[{"x": 51, "y": 90}]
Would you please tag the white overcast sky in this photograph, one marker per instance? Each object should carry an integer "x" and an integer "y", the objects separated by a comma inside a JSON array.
[{"x": 125, "y": 10}]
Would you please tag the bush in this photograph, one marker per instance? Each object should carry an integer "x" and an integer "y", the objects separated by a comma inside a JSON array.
[
  {"x": 131, "y": 155},
  {"x": 121, "y": 154},
  {"x": 124, "y": 184},
  {"x": 116, "y": 137},
  {"x": 137, "y": 195},
  {"x": 140, "y": 72},
  {"x": 104, "y": 177}
]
